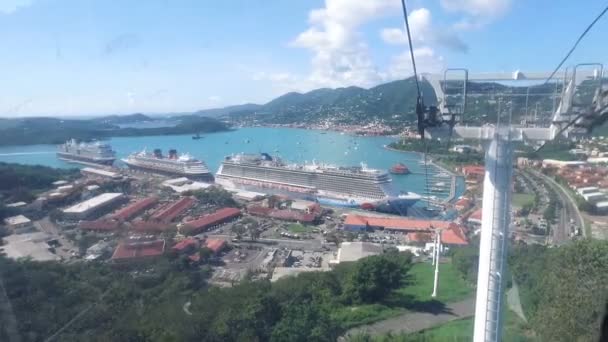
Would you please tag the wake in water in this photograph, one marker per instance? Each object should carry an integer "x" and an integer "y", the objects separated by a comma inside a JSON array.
[{"x": 23, "y": 153}]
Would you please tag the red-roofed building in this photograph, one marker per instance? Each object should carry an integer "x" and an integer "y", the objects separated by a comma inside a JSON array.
[
  {"x": 462, "y": 204},
  {"x": 474, "y": 171},
  {"x": 284, "y": 214},
  {"x": 150, "y": 226},
  {"x": 169, "y": 212},
  {"x": 207, "y": 221},
  {"x": 363, "y": 223},
  {"x": 454, "y": 235},
  {"x": 186, "y": 245},
  {"x": 475, "y": 217},
  {"x": 126, "y": 251},
  {"x": 135, "y": 209},
  {"x": 216, "y": 245}
]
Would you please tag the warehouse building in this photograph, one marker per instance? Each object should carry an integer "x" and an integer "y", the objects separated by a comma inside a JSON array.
[
  {"x": 171, "y": 211},
  {"x": 359, "y": 223},
  {"x": 95, "y": 206},
  {"x": 19, "y": 224},
  {"x": 89, "y": 171},
  {"x": 135, "y": 208},
  {"x": 130, "y": 251},
  {"x": 208, "y": 221}
]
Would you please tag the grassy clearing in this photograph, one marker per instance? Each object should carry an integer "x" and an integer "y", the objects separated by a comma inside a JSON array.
[
  {"x": 519, "y": 200},
  {"x": 451, "y": 285},
  {"x": 297, "y": 228},
  {"x": 515, "y": 330}
]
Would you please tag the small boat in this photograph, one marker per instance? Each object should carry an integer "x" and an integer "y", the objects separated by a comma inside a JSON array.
[
  {"x": 440, "y": 184},
  {"x": 399, "y": 169},
  {"x": 197, "y": 136}
]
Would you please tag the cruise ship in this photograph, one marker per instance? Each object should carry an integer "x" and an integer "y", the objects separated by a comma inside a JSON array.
[
  {"x": 97, "y": 153},
  {"x": 355, "y": 187},
  {"x": 172, "y": 165}
]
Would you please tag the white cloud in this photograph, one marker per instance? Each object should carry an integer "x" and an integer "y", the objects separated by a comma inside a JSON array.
[
  {"x": 214, "y": 98},
  {"x": 480, "y": 12},
  {"x": 426, "y": 61},
  {"x": 130, "y": 98},
  {"x": 10, "y": 6},
  {"x": 340, "y": 55},
  {"x": 423, "y": 32}
]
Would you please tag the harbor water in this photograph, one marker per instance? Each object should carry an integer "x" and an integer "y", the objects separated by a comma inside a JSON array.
[{"x": 292, "y": 145}]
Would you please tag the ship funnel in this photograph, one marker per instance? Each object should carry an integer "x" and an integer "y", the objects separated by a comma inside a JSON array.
[
  {"x": 158, "y": 153},
  {"x": 172, "y": 154}
]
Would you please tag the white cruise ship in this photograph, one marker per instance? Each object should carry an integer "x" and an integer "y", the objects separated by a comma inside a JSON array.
[
  {"x": 183, "y": 165},
  {"x": 357, "y": 187},
  {"x": 75, "y": 152}
]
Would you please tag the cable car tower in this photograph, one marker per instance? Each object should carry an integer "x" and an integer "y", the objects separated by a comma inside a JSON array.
[{"x": 577, "y": 103}]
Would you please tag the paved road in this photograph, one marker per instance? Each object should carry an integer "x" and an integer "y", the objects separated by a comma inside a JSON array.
[
  {"x": 311, "y": 244},
  {"x": 416, "y": 321},
  {"x": 569, "y": 210}
]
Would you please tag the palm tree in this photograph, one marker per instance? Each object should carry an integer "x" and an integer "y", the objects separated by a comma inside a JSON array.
[{"x": 238, "y": 230}]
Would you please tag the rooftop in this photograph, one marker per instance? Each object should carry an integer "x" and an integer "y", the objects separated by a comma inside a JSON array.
[
  {"x": 395, "y": 223},
  {"x": 126, "y": 250},
  {"x": 215, "y": 245},
  {"x": 16, "y": 204},
  {"x": 135, "y": 208},
  {"x": 186, "y": 243},
  {"x": 16, "y": 220},
  {"x": 93, "y": 202},
  {"x": 100, "y": 172}
]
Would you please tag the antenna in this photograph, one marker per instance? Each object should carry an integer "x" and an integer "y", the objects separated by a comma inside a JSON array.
[{"x": 498, "y": 139}]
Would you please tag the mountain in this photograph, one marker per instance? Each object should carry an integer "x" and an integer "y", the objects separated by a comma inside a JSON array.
[
  {"x": 351, "y": 104},
  {"x": 346, "y": 105},
  {"x": 394, "y": 104},
  {"x": 230, "y": 110},
  {"x": 44, "y": 130},
  {"x": 123, "y": 119}
]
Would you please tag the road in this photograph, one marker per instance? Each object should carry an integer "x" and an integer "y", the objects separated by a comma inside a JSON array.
[
  {"x": 410, "y": 322},
  {"x": 569, "y": 210},
  {"x": 311, "y": 244}
]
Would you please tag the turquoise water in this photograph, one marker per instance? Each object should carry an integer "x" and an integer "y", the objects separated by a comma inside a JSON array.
[{"x": 294, "y": 145}]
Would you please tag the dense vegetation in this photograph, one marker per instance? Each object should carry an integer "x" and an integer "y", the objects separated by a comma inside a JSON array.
[
  {"x": 440, "y": 151},
  {"x": 32, "y": 131},
  {"x": 563, "y": 290},
  {"x": 394, "y": 101},
  {"x": 214, "y": 196},
  {"x": 119, "y": 304},
  {"x": 20, "y": 182}
]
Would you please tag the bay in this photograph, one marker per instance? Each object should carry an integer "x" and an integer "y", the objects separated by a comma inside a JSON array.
[{"x": 293, "y": 145}]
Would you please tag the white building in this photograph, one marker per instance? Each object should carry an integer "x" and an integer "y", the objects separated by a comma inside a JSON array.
[
  {"x": 594, "y": 197},
  {"x": 16, "y": 205},
  {"x": 587, "y": 190},
  {"x": 94, "y": 205},
  {"x": 602, "y": 207},
  {"x": 89, "y": 171},
  {"x": 19, "y": 224}
]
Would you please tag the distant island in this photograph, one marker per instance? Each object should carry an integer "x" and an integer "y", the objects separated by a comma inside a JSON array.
[{"x": 31, "y": 131}]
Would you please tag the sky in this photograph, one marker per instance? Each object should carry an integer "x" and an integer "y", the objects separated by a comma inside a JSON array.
[{"x": 98, "y": 57}]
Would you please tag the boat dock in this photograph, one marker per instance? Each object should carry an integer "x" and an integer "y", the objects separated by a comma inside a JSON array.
[{"x": 439, "y": 175}]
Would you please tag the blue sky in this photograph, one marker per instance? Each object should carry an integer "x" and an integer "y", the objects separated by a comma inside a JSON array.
[{"x": 90, "y": 57}]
